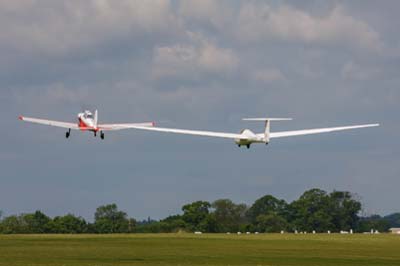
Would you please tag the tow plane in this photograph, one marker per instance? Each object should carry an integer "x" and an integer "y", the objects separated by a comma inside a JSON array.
[
  {"x": 87, "y": 121},
  {"x": 246, "y": 137}
]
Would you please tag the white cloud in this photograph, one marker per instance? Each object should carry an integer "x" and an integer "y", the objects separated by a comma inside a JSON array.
[
  {"x": 260, "y": 22},
  {"x": 191, "y": 60},
  {"x": 214, "y": 59},
  {"x": 56, "y": 27}
]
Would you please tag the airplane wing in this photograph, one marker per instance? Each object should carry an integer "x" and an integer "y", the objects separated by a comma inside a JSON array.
[
  {"x": 193, "y": 132},
  {"x": 240, "y": 136},
  {"x": 316, "y": 131},
  {"x": 49, "y": 122},
  {"x": 106, "y": 127}
]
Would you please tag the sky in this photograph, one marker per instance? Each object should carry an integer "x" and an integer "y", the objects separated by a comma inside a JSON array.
[{"x": 197, "y": 64}]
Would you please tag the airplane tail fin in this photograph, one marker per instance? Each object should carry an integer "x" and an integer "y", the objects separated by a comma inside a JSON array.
[
  {"x": 95, "y": 118},
  {"x": 267, "y": 128}
]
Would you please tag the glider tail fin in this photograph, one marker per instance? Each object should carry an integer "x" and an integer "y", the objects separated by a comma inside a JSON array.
[{"x": 267, "y": 127}]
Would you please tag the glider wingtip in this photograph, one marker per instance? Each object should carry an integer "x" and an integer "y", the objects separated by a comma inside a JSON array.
[
  {"x": 20, "y": 117},
  {"x": 374, "y": 125}
]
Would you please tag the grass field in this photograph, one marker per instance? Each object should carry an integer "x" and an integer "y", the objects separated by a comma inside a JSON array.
[{"x": 206, "y": 249}]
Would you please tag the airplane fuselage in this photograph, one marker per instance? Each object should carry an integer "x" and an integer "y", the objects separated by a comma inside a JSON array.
[
  {"x": 249, "y": 137},
  {"x": 86, "y": 122}
]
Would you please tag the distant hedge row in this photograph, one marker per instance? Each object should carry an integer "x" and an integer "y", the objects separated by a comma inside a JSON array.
[{"x": 315, "y": 210}]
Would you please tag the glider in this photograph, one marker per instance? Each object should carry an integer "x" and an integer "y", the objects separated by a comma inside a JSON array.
[
  {"x": 86, "y": 122},
  {"x": 246, "y": 137}
]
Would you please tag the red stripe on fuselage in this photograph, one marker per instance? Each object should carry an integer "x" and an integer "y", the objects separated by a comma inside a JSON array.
[
  {"x": 81, "y": 124},
  {"x": 83, "y": 127}
]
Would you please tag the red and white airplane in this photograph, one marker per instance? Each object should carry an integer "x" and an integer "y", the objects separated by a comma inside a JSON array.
[{"x": 86, "y": 122}]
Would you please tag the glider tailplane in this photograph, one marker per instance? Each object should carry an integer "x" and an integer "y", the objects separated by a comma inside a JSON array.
[{"x": 267, "y": 127}]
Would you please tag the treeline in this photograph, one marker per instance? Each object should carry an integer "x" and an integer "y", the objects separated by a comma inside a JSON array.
[
  {"x": 315, "y": 210},
  {"x": 108, "y": 219}
]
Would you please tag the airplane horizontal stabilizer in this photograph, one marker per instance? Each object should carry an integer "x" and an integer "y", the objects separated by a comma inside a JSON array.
[{"x": 266, "y": 119}]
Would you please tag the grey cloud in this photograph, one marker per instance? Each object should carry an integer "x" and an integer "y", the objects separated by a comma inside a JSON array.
[
  {"x": 217, "y": 14},
  {"x": 58, "y": 28},
  {"x": 268, "y": 75},
  {"x": 203, "y": 56},
  {"x": 262, "y": 22},
  {"x": 351, "y": 70}
]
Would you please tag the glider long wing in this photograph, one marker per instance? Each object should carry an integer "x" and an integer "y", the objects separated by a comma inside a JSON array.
[
  {"x": 316, "y": 131},
  {"x": 193, "y": 132},
  {"x": 49, "y": 122},
  {"x": 240, "y": 136}
]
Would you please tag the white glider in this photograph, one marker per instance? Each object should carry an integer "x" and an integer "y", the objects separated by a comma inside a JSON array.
[
  {"x": 246, "y": 137},
  {"x": 86, "y": 122}
]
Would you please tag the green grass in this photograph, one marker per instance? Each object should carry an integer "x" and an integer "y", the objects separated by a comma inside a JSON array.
[{"x": 206, "y": 249}]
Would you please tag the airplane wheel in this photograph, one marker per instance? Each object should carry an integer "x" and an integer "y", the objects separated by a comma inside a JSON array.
[
  {"x": 248, "y": 146},
  {"x": 66, "y": 134},
  {"x": 101, "y": 135},
  {"x": 239, "y": 145}
]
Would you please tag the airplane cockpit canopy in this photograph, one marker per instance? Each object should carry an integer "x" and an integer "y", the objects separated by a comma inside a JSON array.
[{"x": 88, "y": 114}]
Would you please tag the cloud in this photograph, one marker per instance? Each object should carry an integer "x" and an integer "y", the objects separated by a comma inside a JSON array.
[
  {"x": 193, "y": 60},
  {"x": 214, "y": 59},
  {"x": 261, "y": 22},
  {"x": 268, "y": 75},
  {"x": 218, "y": 14},
  {"x": 354, "y": 71},
  {"x": 58, "y": 93},
  {"x": 56, "y": 28},
  {"x": 55, "y": 94}
]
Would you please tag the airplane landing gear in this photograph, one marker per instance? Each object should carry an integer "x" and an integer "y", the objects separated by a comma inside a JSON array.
[
  {"x": 247, "y": 145},
  {"x": 101, "y": 134},
  {"x": 68, "y": 133},
  {"x": 95, "y": 133}
]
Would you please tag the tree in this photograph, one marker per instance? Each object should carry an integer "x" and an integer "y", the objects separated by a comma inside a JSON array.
[
  {"x": 68, "y": 224},
  {"x": 195, "y": 213},
  {"x": 1, "y": 224},
  {"x": 374, "y": 222},
  {"x": 228, "y": 215},
  {"x": 173, "y": 223},
  {"x": 267, "y": 205},
  {"x": 36, "y": 223},
  {"x": 209, "y": 224},
  {"x": 271, "y": 223},
  {"x": 29, "y": 223},
  {"x": 344, "y": 209},
  {"x": 312, "y": 211},
  {"x": 12, "y": 225},
  {"x": 393, "y": 219},
  {"x": 108, "y": 219}
]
